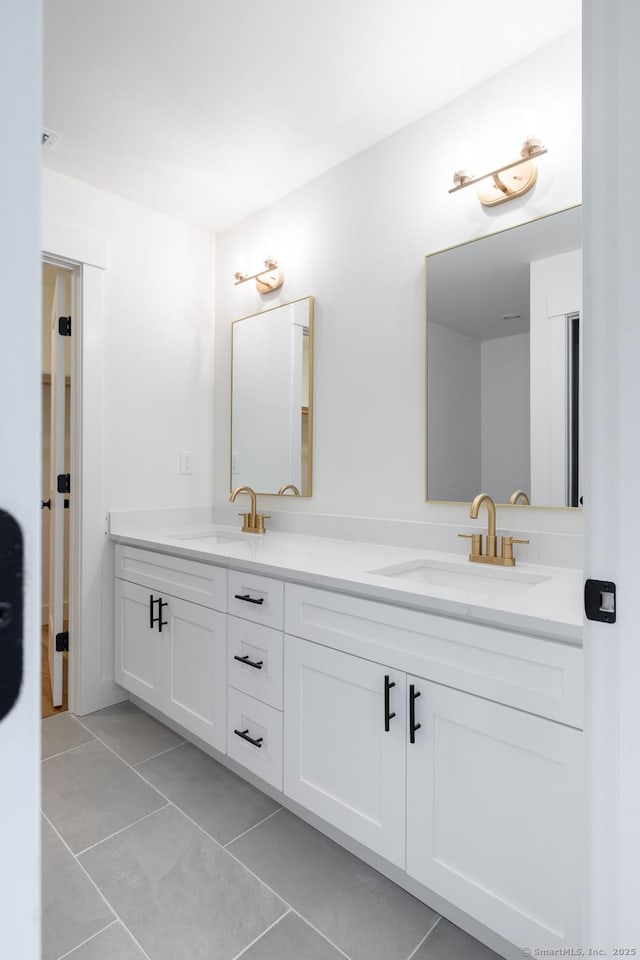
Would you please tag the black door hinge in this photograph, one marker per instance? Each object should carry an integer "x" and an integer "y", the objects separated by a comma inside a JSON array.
[
  {"x": 62, "y": 641},
  {"x": 600, "y": 600},
  {"x": 64, "y": 326},
  {"x": 64, "y": 483}
]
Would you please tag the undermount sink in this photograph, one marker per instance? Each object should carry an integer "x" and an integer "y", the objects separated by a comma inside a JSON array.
[
  {"x": 479, "y": 578},
  {"x": 212, "y": 536}
]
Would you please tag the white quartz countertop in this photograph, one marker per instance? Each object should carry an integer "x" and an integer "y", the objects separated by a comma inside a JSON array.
[{"x": 528, "y": 598}]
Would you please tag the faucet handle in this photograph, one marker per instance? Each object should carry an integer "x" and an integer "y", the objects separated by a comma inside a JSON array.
[
  {"x": 476, "y": 544},
  {"x": 507, "y": 547}
]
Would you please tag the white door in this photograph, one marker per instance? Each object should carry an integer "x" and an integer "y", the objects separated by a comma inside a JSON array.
[
  {"x": 344, "y": 743},
  {"x": 493, "y": 814},
  {"x": 56, "y": 516}
]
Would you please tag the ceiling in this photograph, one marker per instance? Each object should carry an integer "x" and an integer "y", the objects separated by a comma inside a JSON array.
[{"x": 209, "y": 110}]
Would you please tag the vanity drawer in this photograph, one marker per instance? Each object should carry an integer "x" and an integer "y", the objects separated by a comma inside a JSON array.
[
  {"x": 186, "y": 579},
  {"x": 262, "y": 724},
  {"x": 256, "y": 598},
  {"x": 261, "y": 677},
  {"x": 521, "y": 670}
]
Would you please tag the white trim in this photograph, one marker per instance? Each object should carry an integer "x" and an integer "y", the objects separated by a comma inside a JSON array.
[{"x": 91, "y": 684}]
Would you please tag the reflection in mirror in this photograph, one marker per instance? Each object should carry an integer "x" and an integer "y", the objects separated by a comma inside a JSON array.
[
  {"x": 504, "y": 409},
  {"x": 271, "y": 400}
]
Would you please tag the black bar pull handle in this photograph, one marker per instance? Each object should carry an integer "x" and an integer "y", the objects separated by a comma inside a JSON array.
[
  {"x": 413, "y": 726},
  {"x": 244, "y": 735},
  {"x": 161, "y": 623},
  {"x": 152, "y": 619},
  {"x": 258, "y": 664},
  {"x": 247, "y": 598},
  {"x": 388, "y": 717}
]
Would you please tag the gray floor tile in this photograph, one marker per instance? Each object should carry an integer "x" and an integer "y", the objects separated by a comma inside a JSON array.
[
  {"x": 358, "y": 909},
  {"x": 112, "y": 944},
  {"x": 223, "y": 804},
  {"x": 88, "y": 794},
  {"x": 72, "y": 908},
  {"x": 447, "y": 942},
  {"x": 62, "y": 733},
  {"x": 181, "y": 895},
  {"x": 132, "y": 733},
  {"x": 292, "y": 939}
]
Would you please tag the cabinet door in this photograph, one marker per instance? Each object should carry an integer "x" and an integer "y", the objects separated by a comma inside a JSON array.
[
  {"x": 493, "y": 814},
  {"x": 194, "y": 643},
  {"x": 138, "y": 653},
  {"x": 339, "y": 761}
]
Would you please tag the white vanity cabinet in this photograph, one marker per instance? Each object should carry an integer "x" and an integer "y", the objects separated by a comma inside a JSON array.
[
  {"x": 488, "y": 796},
  {"x": 451, "y": 749},
  {"x": 170, "y": 651}
]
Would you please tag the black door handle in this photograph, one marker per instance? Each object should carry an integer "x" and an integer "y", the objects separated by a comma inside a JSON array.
[
  {"x": 249, "y": 663},
  {"x": 387, "y": 715},
  {"x": 11, "y": 615},
  {"x": 161, "y": 603},
  {"x": 413, "y": 726},
  {"x": 46, "y": 503},
  {"x": 244, "y": 735},
  {"x": 247, "y": 598},
  {"x": 161, "y": 623}
]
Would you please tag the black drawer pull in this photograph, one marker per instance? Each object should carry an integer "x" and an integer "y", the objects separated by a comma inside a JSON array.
[
  {"x": 387, "y": 716},
  {"x": 152, "y": 619},
  {"x": 249, "y": 663},
  {"x": 244, "y": 735},
  {"x": 245, "y": 596},
  {"x": 413, "y": 726}
]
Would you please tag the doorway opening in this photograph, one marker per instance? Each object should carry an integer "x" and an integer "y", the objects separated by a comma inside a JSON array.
[{"x": 58, "y": 296}]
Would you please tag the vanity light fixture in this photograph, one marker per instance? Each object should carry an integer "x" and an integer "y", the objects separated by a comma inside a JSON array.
[
  {"x": 266, "y": 280},
  {"x": 509, "y": 181}
]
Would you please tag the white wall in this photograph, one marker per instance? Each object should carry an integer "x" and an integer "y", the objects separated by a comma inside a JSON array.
[
  {"x": 505, "y": 417},
  {"x": 356, "y": 238},
  {"x": 20, "y": 397},
  {"x": 158, "y": 346},
  {"x": 455, "y": 431}
]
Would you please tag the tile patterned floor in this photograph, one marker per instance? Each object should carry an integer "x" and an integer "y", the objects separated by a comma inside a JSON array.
[{"x": 153, "y": 851}]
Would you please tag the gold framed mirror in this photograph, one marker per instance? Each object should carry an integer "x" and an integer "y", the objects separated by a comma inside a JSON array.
[
  {"x": 272, "y": 400},
  {"x": 503, "y": 365}
]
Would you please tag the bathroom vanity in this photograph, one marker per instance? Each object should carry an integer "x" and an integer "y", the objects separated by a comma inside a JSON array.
[{"x": 428, "y": 711}]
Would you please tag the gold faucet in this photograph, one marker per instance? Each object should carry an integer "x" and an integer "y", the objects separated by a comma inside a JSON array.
[
  {"x": 507, "y": 558},
  {"x": 289, "y": 486},
  {"x": 519, "y": 495},
  {"x": 253, "y": 522}
]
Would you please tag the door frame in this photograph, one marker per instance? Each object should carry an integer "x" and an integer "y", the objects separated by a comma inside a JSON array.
[
  {"x": 91, "y": 684},
  {"x": 70, "y": 308}
]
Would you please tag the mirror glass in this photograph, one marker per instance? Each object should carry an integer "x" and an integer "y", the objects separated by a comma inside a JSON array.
[
  {"x": 271, "y": 399},
  {"x": 504, "y": 408}
]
